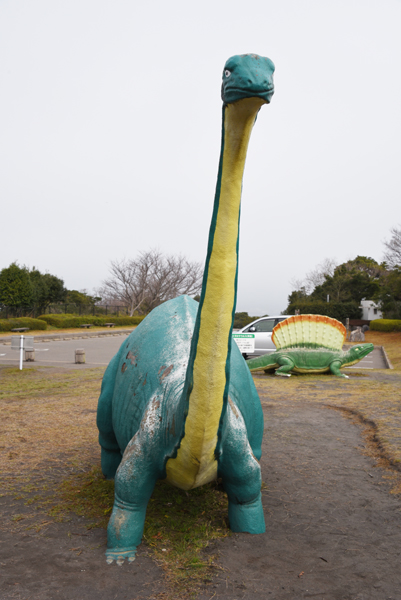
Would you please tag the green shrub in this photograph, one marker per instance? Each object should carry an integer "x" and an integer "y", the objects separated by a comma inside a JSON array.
[
  {"x": 34, "y": 324},
  {"x": 385, "y": 325},
  {"x": 335, "y": 310},
  {"x": 241, "y": 319},
  {"x": 71, "y": 321}
]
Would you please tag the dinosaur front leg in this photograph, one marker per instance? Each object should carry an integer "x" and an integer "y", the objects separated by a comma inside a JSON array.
[
  {"x": 141, "y": 466},
  {"x": 110, "y": 450},
  {"x": 286, "y": 365},
  {"x": 241, "y": 475},
  {"x": 335, "y": 369}
]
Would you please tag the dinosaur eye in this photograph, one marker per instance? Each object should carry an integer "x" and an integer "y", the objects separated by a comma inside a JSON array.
[{"x": 227, "y": 73}]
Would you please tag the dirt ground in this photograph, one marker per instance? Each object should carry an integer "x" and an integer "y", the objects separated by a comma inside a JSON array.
[{"x": 333, "y": 529}]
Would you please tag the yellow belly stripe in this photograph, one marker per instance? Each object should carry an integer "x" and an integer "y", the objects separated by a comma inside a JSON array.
[{"x": 195, "y": 463}]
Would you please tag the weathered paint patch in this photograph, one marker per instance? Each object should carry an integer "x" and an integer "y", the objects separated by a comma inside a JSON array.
[
  {"x": 233, "y": 407},
  {"x": 132, "y": 358},
  {"x": 166, "y": 372}
]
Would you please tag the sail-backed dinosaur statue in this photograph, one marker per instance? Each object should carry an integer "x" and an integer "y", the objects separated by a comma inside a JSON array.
[
  {"x": 178, "y": 401},
  {"x": 309, "y": 344}
]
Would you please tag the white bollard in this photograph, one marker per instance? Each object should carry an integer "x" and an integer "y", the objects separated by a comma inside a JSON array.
[
  {"x": 29, "y": 355},
  {"x": 21, "y": 352},
  {"x": 80, "y": 356}
]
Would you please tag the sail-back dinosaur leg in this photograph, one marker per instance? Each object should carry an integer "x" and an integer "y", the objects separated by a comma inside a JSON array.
[
  {"x": 286, "y": 365},
  {"x": 142, "y": 464},
  {"x": 335, "y": 369},
  {"x": 241, "y": 475},
  {"x": 110, "y": 450}
]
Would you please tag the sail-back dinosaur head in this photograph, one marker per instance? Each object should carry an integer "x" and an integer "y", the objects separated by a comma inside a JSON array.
[
  {"x": 356, "y": 353},
  {"x": 247, "y": 76}
]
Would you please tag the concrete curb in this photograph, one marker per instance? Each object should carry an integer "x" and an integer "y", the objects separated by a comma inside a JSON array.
[{"x": 385, "y": 357}]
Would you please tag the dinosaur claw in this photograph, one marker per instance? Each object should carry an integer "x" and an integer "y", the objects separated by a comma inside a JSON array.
[{"x": 120, "y": 556}]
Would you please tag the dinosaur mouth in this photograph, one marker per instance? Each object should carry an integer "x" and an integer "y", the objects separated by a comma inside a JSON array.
[{"x": 232, "y": 94}]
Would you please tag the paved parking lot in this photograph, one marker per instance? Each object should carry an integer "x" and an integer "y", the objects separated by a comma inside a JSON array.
[
  {"x": 99, "y": 350},
  {"x": 61, "y": 352}
]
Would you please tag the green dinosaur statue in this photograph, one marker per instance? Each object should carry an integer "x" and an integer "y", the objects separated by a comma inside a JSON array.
[
  {"x": 178, "y": 401},
  {"x": 309, "y": 344}
]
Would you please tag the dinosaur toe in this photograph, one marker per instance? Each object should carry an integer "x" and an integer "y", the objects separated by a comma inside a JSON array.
[{"x": 119, "y": 556}]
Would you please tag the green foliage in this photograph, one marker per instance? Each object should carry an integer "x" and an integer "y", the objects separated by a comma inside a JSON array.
[
  {"x": 46, "y": 289},
  {"x": 242, "y": 318},
  {"x": 351, "y": 281},
  {"x": 385, "y": 325},
  {"x": 21, "y": 288},
  {"x": 16, "y": 290},
  {"x": 335, "y": 310},
  {"x": 390, "y": 294},
  {"x": 33, "y": 324},
  {"x": 71, "y": 321},
  {"x": 81, "y": 298}
]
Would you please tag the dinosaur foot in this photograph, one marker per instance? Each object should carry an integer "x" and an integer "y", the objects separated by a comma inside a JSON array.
[
  {"x": 283, "y": 374},
  {"x": 119, "y": 556},
  {"x": 247, "y": 517}
]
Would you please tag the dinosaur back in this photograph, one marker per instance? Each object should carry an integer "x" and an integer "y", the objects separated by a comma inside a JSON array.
[{"x": 309, "y": 331}]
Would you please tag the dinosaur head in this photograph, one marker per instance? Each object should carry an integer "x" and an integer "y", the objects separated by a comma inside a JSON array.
[
  {"x": 247, "y": 76},
  {"x": 356, "y": 353}
]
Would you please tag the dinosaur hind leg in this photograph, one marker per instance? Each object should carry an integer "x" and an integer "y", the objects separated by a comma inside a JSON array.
[
  {"x": 110, "y": 450},
  {"x": 241, "y": 475},
  {"x": 286, "y": 365}
]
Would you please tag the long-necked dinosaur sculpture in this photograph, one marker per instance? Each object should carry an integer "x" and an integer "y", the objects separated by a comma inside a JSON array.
[{"x": 178, "y": 401}]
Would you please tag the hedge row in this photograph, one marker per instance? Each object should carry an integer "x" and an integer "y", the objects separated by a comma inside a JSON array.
[
  {"x": 34, "y": 324},
  {"x": 70, "y": 321},
  {"x": 335, "y": 310},
  {"x": 385, "y": 325}
]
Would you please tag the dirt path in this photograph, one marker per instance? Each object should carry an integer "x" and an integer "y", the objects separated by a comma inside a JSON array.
[{"x": 333, "y": 530}]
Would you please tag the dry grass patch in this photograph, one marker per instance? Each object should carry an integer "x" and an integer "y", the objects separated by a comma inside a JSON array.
[
  {"x": 391, "y": 342},
  {"x": 49, "y": 465},
  {"x": 48, "y": 417}
]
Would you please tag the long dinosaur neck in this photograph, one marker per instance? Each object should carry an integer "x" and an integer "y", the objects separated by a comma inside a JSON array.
[{"x": 208, "y": 368}]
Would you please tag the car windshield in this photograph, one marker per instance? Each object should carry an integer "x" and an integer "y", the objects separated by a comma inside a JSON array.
[{"x": 265, "y": 326}]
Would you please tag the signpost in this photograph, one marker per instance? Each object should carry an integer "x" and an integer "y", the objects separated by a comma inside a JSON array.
[
  {"x": 21, "y": 343},
  {"x": 245, "y": 342}
]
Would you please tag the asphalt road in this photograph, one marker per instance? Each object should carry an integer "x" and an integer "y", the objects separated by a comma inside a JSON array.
[{"x": 100, "y": 350}]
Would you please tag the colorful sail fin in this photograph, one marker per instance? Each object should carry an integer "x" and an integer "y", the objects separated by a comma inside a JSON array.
[{"x": 309, "y": 331}]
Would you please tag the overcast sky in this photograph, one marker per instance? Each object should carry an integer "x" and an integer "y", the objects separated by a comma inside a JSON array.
[{"x": 110, "y": 127}]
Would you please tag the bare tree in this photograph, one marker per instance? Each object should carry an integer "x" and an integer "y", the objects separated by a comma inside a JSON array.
[
  {"x": 315, "y": 277},
  {"x": 143, "y": 283},
  {"x": 318, "y": 275},
  {"x": 392, "y": 256}
]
